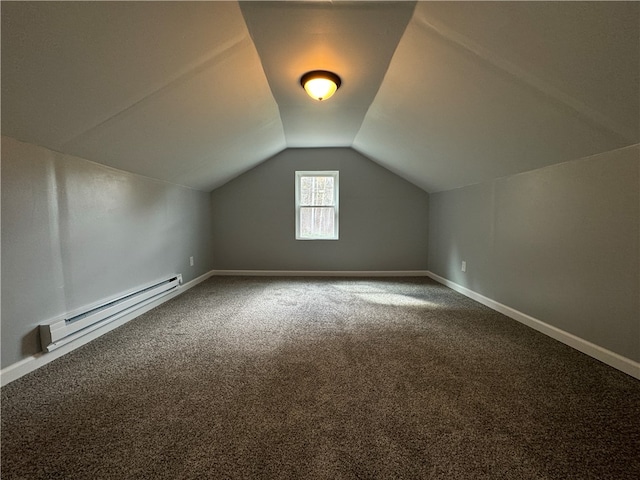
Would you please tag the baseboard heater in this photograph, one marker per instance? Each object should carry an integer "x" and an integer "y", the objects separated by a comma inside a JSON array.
[{"x": 65, "y": 329}]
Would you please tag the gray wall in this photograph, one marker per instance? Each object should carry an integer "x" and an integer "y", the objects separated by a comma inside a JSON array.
[
  {"x": 75, "y": 232},
  {"x": 383, "y": 218},
  {"x": 560, "y": 244}
]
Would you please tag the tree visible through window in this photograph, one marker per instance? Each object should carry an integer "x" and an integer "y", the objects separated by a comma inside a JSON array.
[{"x": 317, "y": 205}]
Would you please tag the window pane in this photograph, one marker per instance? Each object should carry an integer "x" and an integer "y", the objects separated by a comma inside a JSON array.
[
  {"x": 317, "y": 222},
  {"x": 316, "y": 191}
]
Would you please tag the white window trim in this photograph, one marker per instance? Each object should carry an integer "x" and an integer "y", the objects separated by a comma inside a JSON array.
[{"x": 336, "y": 195}]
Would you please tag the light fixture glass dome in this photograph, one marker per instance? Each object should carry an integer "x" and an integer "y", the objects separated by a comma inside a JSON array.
[{"x": 320, "y": 84}]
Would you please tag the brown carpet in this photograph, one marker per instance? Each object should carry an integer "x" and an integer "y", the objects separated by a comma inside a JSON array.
[{"x": 275, "y": 378}]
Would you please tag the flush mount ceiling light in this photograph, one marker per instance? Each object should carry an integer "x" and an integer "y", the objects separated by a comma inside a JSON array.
[{"x": 320, "y": 84}]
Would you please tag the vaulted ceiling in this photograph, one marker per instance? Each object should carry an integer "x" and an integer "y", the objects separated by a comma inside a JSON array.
[{"x": 444, "y": 94}]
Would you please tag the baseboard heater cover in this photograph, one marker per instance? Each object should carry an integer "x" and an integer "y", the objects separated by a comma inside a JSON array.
[{"x": 65, "y": 329}]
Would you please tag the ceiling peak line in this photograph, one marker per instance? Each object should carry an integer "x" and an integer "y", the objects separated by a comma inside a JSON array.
[
  {"x": 221, "y": 52},
  {"x": 528, "y": 79}
]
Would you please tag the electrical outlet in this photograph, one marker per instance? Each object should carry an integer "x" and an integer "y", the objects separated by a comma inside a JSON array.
[
  {"x": 191, "y": 261},
  {"x": 463, "y": 267}
]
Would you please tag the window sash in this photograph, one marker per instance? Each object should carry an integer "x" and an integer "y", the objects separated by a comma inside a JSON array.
[
  {"x": 317, "y": 222},
  {"x": 318, "y": 189}
]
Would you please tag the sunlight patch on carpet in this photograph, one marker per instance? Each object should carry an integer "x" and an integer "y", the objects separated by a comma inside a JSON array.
[{"x": 378, "y": 295}]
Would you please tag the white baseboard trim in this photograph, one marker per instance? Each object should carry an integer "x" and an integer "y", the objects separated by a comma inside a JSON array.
[
  {"x": 624, "y": 364},
  {"x": 321, "y": 273},
  {"x": 29, "y": 364}
]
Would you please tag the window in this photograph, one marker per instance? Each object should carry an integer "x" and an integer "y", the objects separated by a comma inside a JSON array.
[{"x": 317, "y": 205}]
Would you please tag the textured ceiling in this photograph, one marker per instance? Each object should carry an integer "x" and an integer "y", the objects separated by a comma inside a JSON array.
[{"x": 445, "y": 94}]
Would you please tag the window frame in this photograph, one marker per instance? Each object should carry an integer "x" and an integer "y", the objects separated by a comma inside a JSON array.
[{"x": 299, "y": 174}]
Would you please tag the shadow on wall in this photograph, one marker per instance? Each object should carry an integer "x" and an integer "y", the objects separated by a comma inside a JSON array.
[{"x": 31, "y": 339}]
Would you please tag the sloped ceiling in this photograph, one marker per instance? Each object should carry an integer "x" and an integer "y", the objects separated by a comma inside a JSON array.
[
  {"x": 170, "y": 90},
  {"x": 481, "y": 90},
  {"x": 443, "y": 93}
]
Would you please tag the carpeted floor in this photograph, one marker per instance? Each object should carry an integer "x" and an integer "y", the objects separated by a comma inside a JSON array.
[{"x": 287, "y": 378}]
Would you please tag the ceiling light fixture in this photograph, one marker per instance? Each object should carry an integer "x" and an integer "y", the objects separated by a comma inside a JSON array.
[{"x": 320, "y": 84}]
